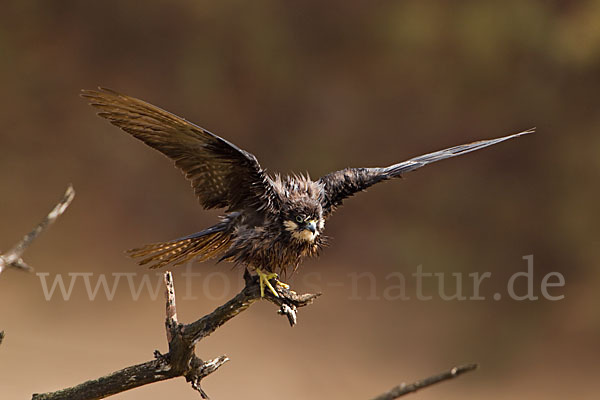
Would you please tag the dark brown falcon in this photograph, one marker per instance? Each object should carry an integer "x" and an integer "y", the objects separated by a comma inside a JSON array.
[{"x": 270, "y": 223}]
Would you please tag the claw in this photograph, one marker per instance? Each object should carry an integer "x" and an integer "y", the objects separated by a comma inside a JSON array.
[
  {"x": 264, "y": 279},
  {"x": 283, "y": 284}
]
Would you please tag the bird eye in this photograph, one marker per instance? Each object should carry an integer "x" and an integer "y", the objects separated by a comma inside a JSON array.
[{"x": 299, "y": 218}]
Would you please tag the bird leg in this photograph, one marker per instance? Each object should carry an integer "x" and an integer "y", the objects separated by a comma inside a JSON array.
[{"x": 264, "y": 281}]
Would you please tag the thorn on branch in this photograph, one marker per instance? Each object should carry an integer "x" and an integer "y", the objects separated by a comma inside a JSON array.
[{"x": 163, "y": 361}]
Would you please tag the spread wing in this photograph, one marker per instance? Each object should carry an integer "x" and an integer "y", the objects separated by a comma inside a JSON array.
[
  {"x": 345, "y": 183},
  {"x": 222, "y": 174}
]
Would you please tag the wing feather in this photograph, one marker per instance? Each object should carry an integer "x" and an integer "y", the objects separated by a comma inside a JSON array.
[
  {"x": 342, "y": 184},
  {"x": 222, "y": 175}
]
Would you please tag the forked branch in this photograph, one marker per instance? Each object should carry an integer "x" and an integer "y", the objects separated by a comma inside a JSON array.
[{"x": 181, "y": 359}]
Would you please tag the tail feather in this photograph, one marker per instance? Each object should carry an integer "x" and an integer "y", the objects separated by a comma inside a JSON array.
[{"x": 203, "y": 245}]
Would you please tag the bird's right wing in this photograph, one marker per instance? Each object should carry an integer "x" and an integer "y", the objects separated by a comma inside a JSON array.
[
  {"x": 222, "y": 174},
  {"x": 345, "y": 183}
]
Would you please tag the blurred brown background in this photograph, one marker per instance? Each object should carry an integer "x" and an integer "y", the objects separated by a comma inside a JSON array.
[{"x": 308, "y": 86}]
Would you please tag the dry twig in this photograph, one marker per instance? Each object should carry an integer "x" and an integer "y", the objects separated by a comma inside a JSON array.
[
  {"x": 405, "y": 389},
  {"x": 12, "y": 258}
]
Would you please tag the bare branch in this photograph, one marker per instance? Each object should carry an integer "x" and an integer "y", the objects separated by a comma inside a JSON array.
[
  {"x": 405, "y": 389},
  {"x": 119, "y": 381},
  {"x": 181, "y": 359},
  {"x": 12, "y": 258}
]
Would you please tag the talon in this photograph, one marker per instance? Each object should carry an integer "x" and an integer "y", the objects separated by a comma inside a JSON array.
[
  {"x": 264, "y": 279},
  {"x": 283, "y": 284}
]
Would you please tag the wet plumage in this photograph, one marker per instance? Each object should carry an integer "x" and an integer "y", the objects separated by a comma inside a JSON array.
[{"x": 269, "y": 222}]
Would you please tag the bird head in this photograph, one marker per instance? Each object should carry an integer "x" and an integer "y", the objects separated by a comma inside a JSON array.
[{"x": 303, "y": 220}]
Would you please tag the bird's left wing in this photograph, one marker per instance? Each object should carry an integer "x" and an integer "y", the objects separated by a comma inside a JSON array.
[
  {"x": 345, "y": 183},
  {"x": 222, "y": 174}
]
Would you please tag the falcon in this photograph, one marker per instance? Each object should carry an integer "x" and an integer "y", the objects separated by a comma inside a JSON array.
[{"x": 270, "y": 223}]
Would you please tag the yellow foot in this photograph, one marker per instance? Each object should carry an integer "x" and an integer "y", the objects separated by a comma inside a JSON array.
[
  {"x": 264, "y": 281},
  {"x": 283, "y": 284}
]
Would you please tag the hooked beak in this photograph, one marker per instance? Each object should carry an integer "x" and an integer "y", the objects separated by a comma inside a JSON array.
[{"x": 311, "y": 226}]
